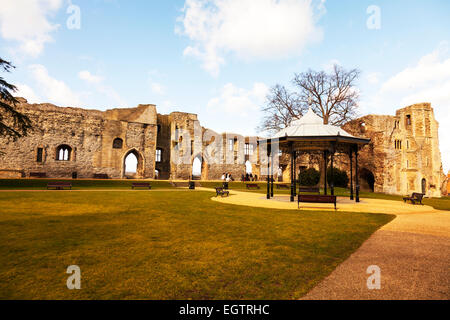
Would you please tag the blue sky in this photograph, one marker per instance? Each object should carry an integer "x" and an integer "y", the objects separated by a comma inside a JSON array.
[{"x": 218, "y": 58}]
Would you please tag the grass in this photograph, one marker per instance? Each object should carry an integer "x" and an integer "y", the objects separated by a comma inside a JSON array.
[
  {"x": 440, "y": 204},
  {"x": 37, "y": 184},
  {"x": 342, "y": 192},
  {"x": 168, "y": 245},
  {"x": 40, "y": 184},
  {"x": 437, "y": 203}
]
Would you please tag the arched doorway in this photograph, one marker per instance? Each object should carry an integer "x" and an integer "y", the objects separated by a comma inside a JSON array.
[
  {"x": 248, "y": 167},
  {"x": 132, "y": 165},
  {"x": 424, "y": 186},
  {"x": 197, "y": 168},
  {"x": 367, "y": 180}
]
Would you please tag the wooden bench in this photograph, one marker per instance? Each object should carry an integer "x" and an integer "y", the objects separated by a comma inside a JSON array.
[
  {"x": 38, "y": 174},
  {"x": 283, "y": 186},
  {"x": 415, "y": 198},
  {"x": 309, "y": 190},
  {"x": 100, "y": 176},
  {"x": 220, "y": 191},
  {"x": 252, "y": 186},
  {"x": 140, "y": 185},
  {"x": 59, "y": 185},
  {"x": 316, "y": 199}
]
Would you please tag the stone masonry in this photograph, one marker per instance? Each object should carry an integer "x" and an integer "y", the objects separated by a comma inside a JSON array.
[{"x": 403, "y": 155}]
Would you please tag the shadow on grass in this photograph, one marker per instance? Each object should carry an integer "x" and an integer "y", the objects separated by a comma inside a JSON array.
[{"x": 168, "y": 245}]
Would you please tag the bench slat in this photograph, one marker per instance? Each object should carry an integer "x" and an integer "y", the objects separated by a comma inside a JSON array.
[
  {"x": 140, "y": 185},
  {"x": 415, "y": 197},
  {"x": 220, "y": 191},
  {"x": 316, "y": 199},
  {"x": 59, "y": 184}
]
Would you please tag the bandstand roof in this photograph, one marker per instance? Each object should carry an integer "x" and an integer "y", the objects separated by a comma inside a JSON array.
[{"x": 310, "y": 133}]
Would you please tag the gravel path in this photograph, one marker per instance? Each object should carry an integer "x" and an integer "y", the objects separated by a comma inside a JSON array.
[{"x": 413, "y": 253}]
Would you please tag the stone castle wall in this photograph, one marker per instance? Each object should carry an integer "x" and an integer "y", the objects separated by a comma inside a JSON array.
[
  {"x": 89, "y": 134},
  {"x": 447, "y": 182},
  {"x": 403, "y": 153}
]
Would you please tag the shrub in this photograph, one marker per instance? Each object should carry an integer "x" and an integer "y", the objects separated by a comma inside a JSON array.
[
  {"x": 340, "y": 178},
  {"x": 309, "y": 177}
]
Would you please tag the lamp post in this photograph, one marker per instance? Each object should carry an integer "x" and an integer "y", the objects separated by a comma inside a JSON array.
[
  {"x": 351, "y": 174},
  {"x": 268, "y": 171}
]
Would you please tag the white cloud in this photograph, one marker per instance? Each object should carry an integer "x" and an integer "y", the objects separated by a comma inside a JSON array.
[
  {"x": 26, "y": 22},
  {"x": 433, "y": 68},
  {"x": 27, "y": 92},
  {"x": 263, "y": 29},
  {"x": 113, "y": 95},
  {"x": 321, "y": 7},
  {"x": 373, "y": 77},
  {"x": 236, "y": 109},
  {"x": 427, "y": 81},
  {"x": 239, "y": 101},
  {"x": 89, "y": 77},
  {"x": 97, "y": 83},
  {"x": 53, "y": 90},
  {"x": 166, "y": 106},
  {"x": 329, "y": 66},
  {"x": 157, "y": 88}
]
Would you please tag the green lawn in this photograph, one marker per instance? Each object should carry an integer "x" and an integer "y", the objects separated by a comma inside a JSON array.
[
  {"x": 440, "y": 204},
  {"x": 77, "y": 184},
  {"x": 168, "y": 245},
  {"x": 41, "y": 184},
  {"x": 241, "y": 186}
]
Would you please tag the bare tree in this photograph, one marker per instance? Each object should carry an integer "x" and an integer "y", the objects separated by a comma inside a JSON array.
[
  {"x": 282, "y": 106},
  {"x": 12, "y": 123},
  {"x": 332, "y": 96}
]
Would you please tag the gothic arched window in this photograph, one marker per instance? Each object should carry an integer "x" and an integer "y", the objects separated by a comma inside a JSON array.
[{"x": 63, "y": 153}]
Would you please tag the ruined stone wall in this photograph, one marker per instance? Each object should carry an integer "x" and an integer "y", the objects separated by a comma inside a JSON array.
[
  {"x": 187, "y": 140},
  {"x": 229, "y": 157},
  {"x": 89, "y": 134},
  {"x": 163, "y": 143},
  {"x": 446, "y": 185},
  {"x": 185, "y": 143},
  {"x": 403, "y": 152}
]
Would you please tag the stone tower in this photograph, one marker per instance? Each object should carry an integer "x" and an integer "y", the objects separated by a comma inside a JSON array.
[{"x": 403, "y": 156}]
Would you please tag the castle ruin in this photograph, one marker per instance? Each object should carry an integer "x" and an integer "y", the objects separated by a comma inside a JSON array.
[{"x": 403, "y": 155}]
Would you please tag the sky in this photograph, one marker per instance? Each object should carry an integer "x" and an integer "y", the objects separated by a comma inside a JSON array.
[{"x": 219, "y": 58}]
